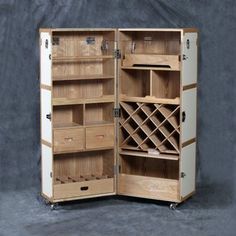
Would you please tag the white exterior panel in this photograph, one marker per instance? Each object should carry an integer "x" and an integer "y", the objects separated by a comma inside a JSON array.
[
  {"x": 189, "y": 65},
  {"x": 189, "y": 107},
  {"x": 46, "y": 170},
  {"x": 46, "y": 109},
  {"x": 188, "y": 169},
  {"x": 45, "y": 61}
]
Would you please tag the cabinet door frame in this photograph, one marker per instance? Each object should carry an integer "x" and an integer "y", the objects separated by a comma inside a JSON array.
[{"x": 46, "y": 114}]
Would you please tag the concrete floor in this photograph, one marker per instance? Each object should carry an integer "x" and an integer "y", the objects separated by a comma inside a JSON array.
[{"x": 24, "y": 213}]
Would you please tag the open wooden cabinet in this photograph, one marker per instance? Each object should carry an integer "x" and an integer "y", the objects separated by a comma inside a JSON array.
[{"x": 118, "y": 113}]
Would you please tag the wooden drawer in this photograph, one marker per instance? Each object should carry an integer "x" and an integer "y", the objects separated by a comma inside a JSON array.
[
  {"x": 100, "y": 137},
  {"x": 68, "y": 140},
  {"x": 148, "y": 187},
  {"x": 78, "y": 189}
]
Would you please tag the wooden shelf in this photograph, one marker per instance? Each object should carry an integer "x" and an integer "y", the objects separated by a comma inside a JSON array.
[
  {"x": 145, "y": 154},
  {"x": 150, "y": 99},
  {"x": 66, "y": 125},
  {"x": 74, "y": 101},
  {"x": 98, "y": 123},
  {"x": 82, "y": 77},
  {"x": 80, "y": 58},
  {"x": 147, "y": 68}
]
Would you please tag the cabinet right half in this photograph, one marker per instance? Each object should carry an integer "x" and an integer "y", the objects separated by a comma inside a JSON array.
[{"x": 157, "y": 84}]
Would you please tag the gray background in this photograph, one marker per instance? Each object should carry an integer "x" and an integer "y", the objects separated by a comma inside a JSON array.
[{"x": 19, "y": 87}]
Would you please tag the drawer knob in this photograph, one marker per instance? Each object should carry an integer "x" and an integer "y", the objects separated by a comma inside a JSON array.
[{"x": 85, "y": 188}]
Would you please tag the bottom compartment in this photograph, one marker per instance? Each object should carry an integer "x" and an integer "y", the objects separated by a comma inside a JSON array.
[
  {"x": 83, "y": 174},
  {"x": 149, "y": 178},
  {"x": 149, "y": 187}
]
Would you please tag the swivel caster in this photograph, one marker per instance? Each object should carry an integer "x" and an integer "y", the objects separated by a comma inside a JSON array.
[
  {"x": 53, "y": 206},
  {"x": 173, "y": 206}
]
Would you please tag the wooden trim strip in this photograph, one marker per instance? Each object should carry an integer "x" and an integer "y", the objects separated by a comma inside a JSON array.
[
  {"x": 43, "y": 86},
  {"x": 46, "y": 143},
  {"x": 190, "y": 141},
  {"x": 190, "y": 86}
]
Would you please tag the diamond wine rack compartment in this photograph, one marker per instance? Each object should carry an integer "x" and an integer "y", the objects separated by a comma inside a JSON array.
[{"x": 150, "y": 126}]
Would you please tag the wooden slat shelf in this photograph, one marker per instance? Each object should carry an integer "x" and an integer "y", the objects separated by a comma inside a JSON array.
[
  {"x": 66, "y": 125},
  {"x": 150, "y": 99},
  {"x": 145, "y": 154},
  {"x": 82, "y": 77},
  {"x": 74, "y": 101},
  {"x": 80, "y": 58}
]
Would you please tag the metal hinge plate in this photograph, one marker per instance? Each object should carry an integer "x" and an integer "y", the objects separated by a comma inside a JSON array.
[
  {"x": 116, "y": 170},
  {"x": 117, "y": 54},
  {"x": 116, "y": 112}
]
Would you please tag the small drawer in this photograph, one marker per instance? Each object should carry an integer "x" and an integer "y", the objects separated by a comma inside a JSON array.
[
  {"x": 68, "y": 140},
  {"x": 100, "y": 137},
  {"x": 79, "y": 189}
]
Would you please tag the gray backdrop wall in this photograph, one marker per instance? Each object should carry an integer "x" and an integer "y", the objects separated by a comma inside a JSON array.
[{"x": 19, "y": 71}]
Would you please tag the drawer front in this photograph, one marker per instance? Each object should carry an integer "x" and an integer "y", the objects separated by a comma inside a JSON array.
[
  {"x": 100, "y": 137},
  {"x": 68, "y": 140},
  {"x": 93, "y": 187},
  {"x": 148, "y": 187}
]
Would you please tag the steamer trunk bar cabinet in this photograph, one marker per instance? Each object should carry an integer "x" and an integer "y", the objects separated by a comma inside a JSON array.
[{"x": 118, "y": 113}]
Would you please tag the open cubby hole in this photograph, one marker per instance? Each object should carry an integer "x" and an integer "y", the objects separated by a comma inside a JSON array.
[
  {"x": 135, "y": 83},
  {"x": 83, "y": 166},
  {"x": 99, "y": 113},
  {"x": 83, "y": 89},
  {"x": 150, "y": 42},
  {"x": 165, "y": 84},
  {"x": 67, "y": 116},
  {"x": 151, "y": 167}
]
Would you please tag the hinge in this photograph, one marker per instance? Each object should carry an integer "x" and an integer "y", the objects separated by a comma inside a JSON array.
[
  {"x": 51, "y": 174},
  {"x": 116, "y": 112},
  {"x": 117, "y": 170},
  {"x": 117, "y": 54}
]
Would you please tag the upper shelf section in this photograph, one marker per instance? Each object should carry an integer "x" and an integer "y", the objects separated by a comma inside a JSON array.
[{"x": 152, "y": 50}]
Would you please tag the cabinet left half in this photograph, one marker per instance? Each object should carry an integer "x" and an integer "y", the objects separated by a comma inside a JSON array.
[{"x": 78, "y": 96}]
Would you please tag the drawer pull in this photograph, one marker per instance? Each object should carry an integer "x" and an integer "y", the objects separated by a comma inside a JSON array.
[
  {"x": 100, "y": 136},
  {"x": 85, "y": 188},
  {"x": 69, "y": 139}
]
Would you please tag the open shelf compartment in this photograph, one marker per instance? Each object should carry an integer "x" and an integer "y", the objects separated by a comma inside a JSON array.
[
  {"x": 83, "y": 173},
  {"x": 150, "y": 49},
  {"x": 79, "y": 55}
]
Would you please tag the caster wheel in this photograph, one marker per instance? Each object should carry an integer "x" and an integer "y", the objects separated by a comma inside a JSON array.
[
  {"x": 53, "y": 206},
  {"x": 173, "y": 206}
]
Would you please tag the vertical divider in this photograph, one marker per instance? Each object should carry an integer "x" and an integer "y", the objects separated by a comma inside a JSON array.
[
  {"x": 84, "y": 110},
  {"x": 151, "y": 84}
]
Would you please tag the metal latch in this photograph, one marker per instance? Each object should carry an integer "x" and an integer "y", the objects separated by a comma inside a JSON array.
[
  {"x": 188, "y": 44},
  {"x": 183, "y": 116},
  {"x": 49, "y": 116},
  {"x": 182, "y": 174},
  {"x": 185, "y": 57},
  {"x": 117, "y": 54},
  {"x": 116, "y": 112}
]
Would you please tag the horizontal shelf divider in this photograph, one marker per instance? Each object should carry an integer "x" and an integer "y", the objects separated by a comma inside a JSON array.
[
  {"x": 147, "y": 68},
  {"x": 74, "y": 101},
  {"x": 79, "y": 58},
  {"x": 150, "y": 99},
  {"x": 82, "y": 77},
  {"x": 145, "y": 154}
]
